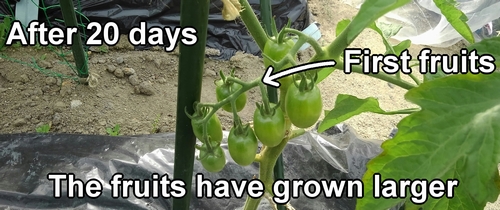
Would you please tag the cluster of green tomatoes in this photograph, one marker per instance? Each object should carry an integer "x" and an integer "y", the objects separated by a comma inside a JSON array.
[{"x": 300, "y": 104}]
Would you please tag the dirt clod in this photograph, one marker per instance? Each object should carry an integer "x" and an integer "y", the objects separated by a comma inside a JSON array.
[
  {"x": 50, "y": 81},
  {"x": 45, "y": 64},
  {"x": 75, "y": 103},
  {"x": 19, "y": 122},
  {"x": 57, "y": 119},
  {"x": 146, "y": 88},
  {"x": 134, "y": 80},
  {"x": 128, "y": 71},
  {"x": 119, "y": 60},
  {"x": 119, "y": 73},
  {"x": 60, "y": 106},
  {"x": 111, "y": 68}
]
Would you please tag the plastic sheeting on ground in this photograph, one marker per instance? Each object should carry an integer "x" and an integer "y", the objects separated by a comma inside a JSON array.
[
  {"x": 424, "y": 24},
  {"x": 226, "y": 36},
  {"x": 26, "y": 159}
]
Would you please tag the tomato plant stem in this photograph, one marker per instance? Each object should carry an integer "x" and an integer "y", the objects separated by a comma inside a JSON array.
[
  {"x": 415, "y": 79},
  {"x": 359, "y": 69},
  {"x": 315, "y": 45},
  {"x": 381, "y": 75},
  {"x": 269, "y": 155},
  {"x": 336, "y": 48}
]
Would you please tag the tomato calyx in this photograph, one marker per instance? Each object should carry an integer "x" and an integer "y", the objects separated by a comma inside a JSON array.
[
  {"x": 281, "y": 34},
  {"x": 267, "y": 111},
  {"x": 239, "y": 128},
  {"x": 227, "y": 87},
  {"x": 213, "y": 160},
  {"x": 307, "y": 81},
  {"x": 278, "y": 47},
  {"x": 197, "y": 118},
  {"x": 207, "y": 148},
  {"x": 206, "y": 125},
  {"x": 201, "y": 148}
]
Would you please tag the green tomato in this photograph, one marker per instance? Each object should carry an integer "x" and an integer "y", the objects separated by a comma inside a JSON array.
[
  {"x": 278, "y": 51},
  {"x": 223, "y": 91},
  {"x": 303, "y": 108},
  {"x": 213, "y": 161},
  {"x": 242, "y": 146},
  {"x": 214, "y": 129},
  {"x": 270, "y": 130}
]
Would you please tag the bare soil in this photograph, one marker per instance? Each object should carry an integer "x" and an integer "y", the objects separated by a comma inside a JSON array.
[{"x": 146, "y": 101}]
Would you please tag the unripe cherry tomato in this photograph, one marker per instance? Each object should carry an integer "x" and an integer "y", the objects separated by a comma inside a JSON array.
[
  {"x": 214, "y": 161},
  {"x": 277, "y": 52},
  {"x": 270, "y": 130},
  {"x": 214, "y": 129},
  {"x": 303, "y": 108},
  {"x": 242, "y": 146},
  {"x": 223, "y": 91}
]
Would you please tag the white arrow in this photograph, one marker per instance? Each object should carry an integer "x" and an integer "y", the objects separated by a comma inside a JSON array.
[{"x": 269, "y": 79}]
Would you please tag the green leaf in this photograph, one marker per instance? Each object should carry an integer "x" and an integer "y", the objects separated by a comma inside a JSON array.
[
  {"x": 45, "y": 128},
  {"x": 347, "y": 106},
  {"x": 454, "y": 136},
  {"x": 323, "y": 74},
  {"x": 439, "y": 74},
  {"x": 489, "y": 46},
  {"x": 115, "y": 131},
  {"x": 456, "y": 18},
  {"x": 341, "y": 26},
  {"x": 5, "y": 26},
  {"x": 369, "y": 12},
  {"x": 399, "y": 48},
  {"x": 486, "y": 46},
  {"x": 387, "y": 31}
]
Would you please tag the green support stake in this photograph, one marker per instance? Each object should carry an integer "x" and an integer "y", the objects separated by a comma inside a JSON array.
[
  {"x": 69, "y": 16},
  {"x": 194, "y": 13},
  {"x": 266, "y": 12}
]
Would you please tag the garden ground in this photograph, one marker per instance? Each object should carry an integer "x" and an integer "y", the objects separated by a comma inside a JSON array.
[{"x": 137, "y": 89}]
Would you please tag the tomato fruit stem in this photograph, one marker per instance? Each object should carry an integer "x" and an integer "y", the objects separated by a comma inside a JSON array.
[
  {"x": 197, "y": 119},
  {"x": 226, "y": 87},
  {"x": 265, "y": 100},
  {"x": 236, "y": 119},
  {"x": 245, "y": 86}
]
